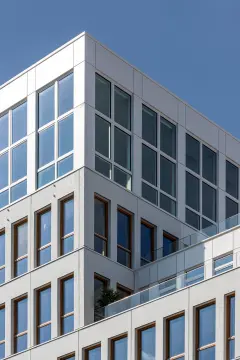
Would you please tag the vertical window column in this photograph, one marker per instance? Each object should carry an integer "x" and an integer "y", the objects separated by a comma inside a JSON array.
[
  {"x": 67, "y": 225},
  {"x": 2, "y": 331},
  {"x": 21, "y": 247},
  {"x": 43, "y": 313},
  {"x": 146, "y": 343},
  {"x": 230, "y": 331},
  {"x": 44, "y": 237},
  {"x": 100, "y": 284},
  {"x": 147, "y": 243},
  {"x": 2, "y": 256},
  {"x": 124, "y": 238},
  {"x": 93, "y": 352},
  {"x": 175, "y": 340},
  {"x": 20, "y": 324},
  {"x": 206, "y": 332},
  {"x": 101, "y": 225},
  {"x": 119, "y": 348},
  {"x": 67, "y": 305}
]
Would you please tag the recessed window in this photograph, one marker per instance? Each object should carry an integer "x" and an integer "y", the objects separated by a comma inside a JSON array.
[
  {"x": 19, "y": 122},
  {"x": 119, "y": 348},
  {"x": 192, "y": 154},
  {"x": 169, "y": 243},
  {"x": 100, "y": 284},
  {"x": 93, "y": 353},
  {"x": 194, "y": 276},
  {"x": 67, "y": 225},
  {"x": 149, "y": 165},
  {"x": 103, "y": 95},
  {"x": 149, "y": 125},
  {"x": 68, "y": 357},
  {"x": 223, "y": 264},
  {"x": 232, "y": 179},
  {"x": 44, "y": 237},
  {"x": 168, "y": 204},
  {"x": 147, "y": 243},
  {"x": 192, "y": 191},
  {"x": 149, "y": 193},
  {"x": 46, "y": 106},
  {"x": 2, "y": 257},
  {"x": 100, "y": 225},
  {"x": 146, "y": 343},
  {"x": 20, "y": 324},
  {"x": 209, "y": 205},
  {"x": 168, "y": 138},
  {"x": 122, "y": 148},
  {"x": 192, "y": 219},
  {"x": 206, "y": 332},
  {"x": 209, "y": 166},
  {"x": 122, "y": 108},
  {"x": 123, "y": 291},
  {"x": 67, "y": 305},
  {"x": 3, "y": 132},
  {"x": 2, "y": 331},
  {"x": 175, "y": 344},
  {"x": 231, "y": 213},
  {"x": 43, "y": 297},
  {"x": 230, "y": 327},
  {"x": 124, "y": 237},
  {"x": 168, "y": 176},
  {"x": 21, "y": 247},
  {"x": 65, "y": 94},
  {"x": 102, "y": 136}
]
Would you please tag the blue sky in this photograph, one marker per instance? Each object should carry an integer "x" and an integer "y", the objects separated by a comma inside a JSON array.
[{"x": 191, "y": 47}]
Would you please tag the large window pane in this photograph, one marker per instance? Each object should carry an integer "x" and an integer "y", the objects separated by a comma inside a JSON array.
[
  {"x": 21, "y": 240},
  {"x": 19, "y": 162},
  {"x": 4, "y": 198},
  {"x": 44, "y": 315},
  {"x": 192, "y": 191},
  {"x": 3, "y": 132},
  {"x": 149, "y": 193},
  {"x": 102, "y": 136},
  {"x": 231, "y": 208},
  {"x": 147, "y": 243},
  {"x": 94, "y": 354},
  {"x": 209, "y": 201},
  {"x": 122, "y": 178},
  {"x": 46, "y": 146},
  {"x": 122, "y": 148},
  {"x": 120, "y": 349},
  {"x": 65, "y": 135},
  {"x": 168, "y": 204},
  {"x": 46, "y": 106},
  {"x": 123, "y": 230},
  {"x": 65, "y": 94},
  {"x": 149, "y": 165},
  {"x": 232, "y": 179},
  {"x": 19, "y": 122},
  {"x": 100, "y": 217},
  {"x": 67, "y": 305},
  {"x": 21, "y": 316},
  {"x": 169, "y": 244},
  {"x": 4, "y": 170},
  {"x": 103, "y": 95},
  {"x": 209, "y": 170},
  {"x": 44, "y": 228},
  {"x": 168, "y": 138},
  {"x": 2, "y": 249},
  {"x": 103, "y": 167},
  {"x": 47, "y": 175},
  {"x": 176, "y": 336},
  {"x": 206, "y": 325},
  {"x": 192, "y": 153},
  {"x": 122, "y": 108},
  {"x": 149, "y": 125},
  {"x": 192, "y": 219},
  {"x": 147, "y": 344},
  {"x": 64, "y": 166},
  {"x": 18, "y": 191},
  {"x": 168, "y": 176}
]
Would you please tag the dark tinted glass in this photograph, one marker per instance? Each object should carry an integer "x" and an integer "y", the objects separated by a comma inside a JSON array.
[
  {"x": 4, "y": 170},
  {"x": 209, "y": 201},
  {"x": 123, "y": 230},
  {"x": 123, "y": 257},
  {"x": 168, "y": 204},
  {"x": 46, "y": 106},
  {"x": 3, "y": 132},
  {"x": 102, "y": 136},
  {"x": 232, "y": 179},
  {"x": 192, "y": 219},
  {"x": 68, "y": 216},
  {"x": 65, "y": 135},
  {"x": 99, "y": 217},
  {"x": 2, "y": 249},
  {"x": 231, "y": 208},
  {"x": 120, "y": 349},
  {"x": 4, "y": 198},
  {"x": 149, "y": 165},
  {"x": 103, "y": 95},
  {"x": 19, "y": 162},
  {"x": 149, "y": 125},
  {"x": 122, "y": 178},
  {"x": 209, "y": 170},
  {"x": 176, "y": 336},
  {"x": 207, "y": 325},
  {"x": 65, "y": 94},
  {"x": 65, "y": 166},
  {"x": 169, "y": 245},
  {"x": 168, "y": 176},
  {"x": 22, "y": 315},
  {"x": 122, "y": 148},
  {"x": 47, "y": 175},
  {"x": 46, "y": 146},
  {"x": 19, "y": 122},
  {"x": 147, "y": 348},
  {"x": 19, "y": 191},
  {"x": 149, "y": 193},
  {"x": 168, "y": 138},
  {"x": 192, "y": 191},
  {"x": 103, "y": 167},
  {"x": 231, "y": 349},
  {"x": 122, "y": 108},
  {"x": 147, "y": 242},
  {"x": 94, "y": 354},
  {"x": 192, "y": 153},
  {"x": 44, "y": 305}
]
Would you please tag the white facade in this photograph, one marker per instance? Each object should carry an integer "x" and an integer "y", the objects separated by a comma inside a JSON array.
[{"x": 84, "y": 57}]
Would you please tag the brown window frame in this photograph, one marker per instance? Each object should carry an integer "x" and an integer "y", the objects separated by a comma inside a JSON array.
[
  {"x": 197, "y": 309},
  {"x": 152, "y": 227},
  {"x": 62, "y": 315},
  {"x": 92, "y": 347},
  {"x": 103, "y": 238},
  {"x": 124, "y": 289},
  {"x": 112, "y": 341},
  {"x": 2, "y": 306},
  {"x": 15, "y": 227},
  {"x": 2, "y": 232},
  {"x": 129, "y": 251},
  {"x": 173, "y": 317},
  {"x": 38, "y": 215},
  {"x": 139, "y": 341},
  {"x": 228, "y": 324},
  {"x": 16, "y": 335},
  {"x": 62, "y": 236},
  {"x": 65, "y": 357},
  {"x": 172, "y": 238},
  {"x": 44, "y": 287}
]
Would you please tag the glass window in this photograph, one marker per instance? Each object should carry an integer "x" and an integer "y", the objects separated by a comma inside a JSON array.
[
  {"x": 192, "y": 154},
  {"x": 119, "y": 348},
  {"x": 223, "y": 264},
  {"x": 100, "y": 284},
  {"x": 149, "y": 193},
  {"x": 103, "y": 167},
  {"x": 232, "y": 179},
  {"x": 147, "y": 243},
  {"x": 192, "y": 191},
  {"x": 21, "y": 247},
  {"x": 168, "y": 204},
  {"x": 44, "y": 237},
  {"x": 208, "y": 228},
  {"x": 65, "y": 94},
  {"x": 100, "y": 225},
  {"x": 206, "y": 332},
  {"x": 4, "y": 170},
  {"x": 122, "y": 178},
  {"x": 209, "y": 201},
  {"x": 2, "y": 257},
  {"x": 46, "y": 106},
  {"x": 122, "y": 148},
  {"x": 149, "y": 165},
  {"x": 21, "y": 324},
  {"x": 4, "y": 198},
  {"x": 19, "y": 162},
  {"x": 43, "y": 315},
  {"x": 194, "y": 276},
  {"x": 168, "y": 138},
  {"x": 122, "y": 108},
  {"x": 192, "y": 219},
  {"x": 68, "y": 357},
  {"x": 64, "y": 166},
  {"x": 231, "y": 327},
  {"x": 209, "y": 170},
  {"x": 168, "y": 176},
  {"x": 149, "y": 125},
  {"x": 123, "y": 291},
  {"x": 19, "y": 122},
  {"x": 46, "y": 146},
  {"x": 103, "y": 95},
  {"x": 67, "y": 225},
  {"x": 19, "y": 190},
  {"x": 65, "y": 135},
  {"x": 3, "y": 132},
  {"x": 169, "y": 244},
  {"x": 147, "y": 341},
  {"x": 67, "y": 305},
  {"x": 94, "y": 353},
  {"x": 102, "y": 136},
  {"x": 46, "y": 176},
  {"x": 231, "y": 208},
  {"x": 176, "y": 336},
  {"x": 124, "y": 238},
  {"x": 2, "y": 332}
]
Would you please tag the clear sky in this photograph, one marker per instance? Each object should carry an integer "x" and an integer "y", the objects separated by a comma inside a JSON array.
[{"x": 192, "y": 47}]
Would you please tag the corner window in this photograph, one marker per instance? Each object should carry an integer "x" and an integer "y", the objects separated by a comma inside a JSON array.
[
  {"x": 67, "y": 305},
  {"x": 232, "y": 179},
  {"x": 44, "y": 237},
  {"x": 175, "y": 345},
  {"x": 124, "y": 238},
  {"x": 43, "y": 314},
  {"x": 122, "y": 148},
  {"x": 20, "y": 324},
  {"x": 192, "y": 154},
  {"x": 2, "y": 257},
  {"x": 147, "y": 243},
  {"x": 103, "y": 95},
  {"x": 223, "y": 264},
  {"x": 206, "y": 332},
  {"x": 149, "y": 125},
  {"x": 21, "y": 248},
  {"x": 168, "y": 138},
  {"x": 67, "y": 225},
  {"x": 2, "y": 331},
  {"x": 146, "y": 343},
  {"x": 101, "y": 225},
  {"x": 119, "y": 348}
]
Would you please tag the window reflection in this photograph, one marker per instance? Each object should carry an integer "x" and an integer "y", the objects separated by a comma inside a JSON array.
[
  {"x": 46, "y": 146},
  {"x": 46, "y": 106},
  {"x": 21, "y": 324},
  {"x": 19, "y": 162},
  {"x": 65, "y": 94},
  {"x": 65, "y": 135},
  {"x": 19, "y": 122},
  {"x": 4, "y": 170},
  {"x": 176, "y": 336},
  {"x": 147, "y": 343},
  {"x": 119, "y": 347},
  {"x": 124, "y": 238},
  {"x": 44, "y": 315},
  {"x": 67, "y": 305}
]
